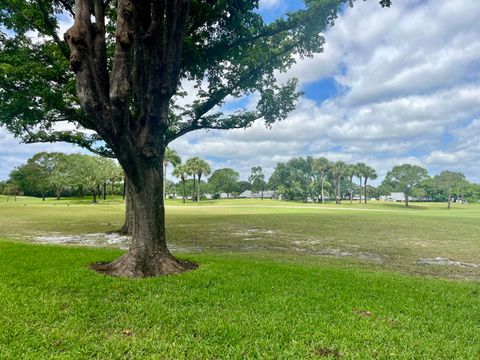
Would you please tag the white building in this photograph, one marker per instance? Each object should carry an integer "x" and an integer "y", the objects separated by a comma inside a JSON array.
[
  {"x": 394, "y": 197},
  {"x": 267, "y": 194}
]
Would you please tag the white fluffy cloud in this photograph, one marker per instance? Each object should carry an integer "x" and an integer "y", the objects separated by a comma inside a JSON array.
[
  {"x": 408, "y": 80},
  {"x": 13, "y": 154}
]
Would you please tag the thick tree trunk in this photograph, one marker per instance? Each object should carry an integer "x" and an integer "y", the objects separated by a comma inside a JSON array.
[
  {"x": 406, "y": 200},
  {"x": 165, "y": 180},
  {"x": 94, "y": 201},
  {"x": 148, "y": 254},
  {"x": 104, "y": 190},
  {"x": 127, "y": 228},
  {"x": 449, "y": 198}
]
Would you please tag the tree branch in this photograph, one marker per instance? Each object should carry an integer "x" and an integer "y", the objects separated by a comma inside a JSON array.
[
  {"x": 219, "y": 95},
  {"x": 215, "y": 122},
  {"x": 50, "y": 27},
  {"x": 77, "y": 138},
  {"x": 67, "y": 7},
  {"x": 90, "y": 89}
]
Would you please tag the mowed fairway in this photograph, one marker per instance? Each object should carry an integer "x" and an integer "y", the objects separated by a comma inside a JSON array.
[{"x": 276, "y": 280}]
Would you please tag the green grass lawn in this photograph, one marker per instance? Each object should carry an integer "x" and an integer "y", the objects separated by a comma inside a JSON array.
[{"x": 276, "y": 280}]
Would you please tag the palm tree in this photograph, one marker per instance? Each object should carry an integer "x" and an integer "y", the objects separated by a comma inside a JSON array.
[
  {"x": 338, "y": 171},
  {"x": 360, "y": 167},
  {"x": 369, "y": 173},
  {"x": 351, "y": 171},
  {"x": 202, "y": 168},
  {"x": 181, "y": 172},
  {"x": 197, "y": 167},
  {"x": 171, "y": 157},
  {"x": 192, "y": 165},
  {"x": 322, "y": 166}
]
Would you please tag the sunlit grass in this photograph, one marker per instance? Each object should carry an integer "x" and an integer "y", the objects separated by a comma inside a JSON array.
[{"x": 276, "y": 280}]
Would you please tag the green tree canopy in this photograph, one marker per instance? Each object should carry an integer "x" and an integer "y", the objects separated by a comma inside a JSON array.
[
  {"x": 450, "y": 182},
  {"x": 406, "y": 178},
  {"x": 128, "y": 61},
  {"x": 224, "y": 180}
]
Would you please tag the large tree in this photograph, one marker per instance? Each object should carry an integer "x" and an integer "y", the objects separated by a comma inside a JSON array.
[
  {"x": 368, "y": 173},
  {"x": 224, "y": 180},
  {"x": 197, "y": 167},
  {"x": 406, "y": 178},
  {"x": 181, "y": 172},
  {"x": 339, "y": 170},
  {"x": 360, "y": 169},
  {"x": 322, "y": 166},
  {"x": 130, "y": 60},
  {"x": 449, "y": 182},
  {"x": 257, "y": 179}
]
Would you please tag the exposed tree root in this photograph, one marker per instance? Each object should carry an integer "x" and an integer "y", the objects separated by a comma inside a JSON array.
[{"x": 132, "y": 266}]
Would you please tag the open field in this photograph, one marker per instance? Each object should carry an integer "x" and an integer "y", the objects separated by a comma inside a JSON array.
[
  {"x": 276, "y": 280},
  {"x": 422, "y": 239}
]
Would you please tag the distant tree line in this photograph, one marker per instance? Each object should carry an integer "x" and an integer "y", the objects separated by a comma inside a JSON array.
[
  {"x": 298, "y": 179},
  {"x": 58, "y": 174},
  {"x": 317, "y": 179}
]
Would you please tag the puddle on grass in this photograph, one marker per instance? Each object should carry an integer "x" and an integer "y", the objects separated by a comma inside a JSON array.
[{"x": 441, "y": 261}]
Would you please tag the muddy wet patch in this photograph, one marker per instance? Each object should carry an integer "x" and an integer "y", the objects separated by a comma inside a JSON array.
[
  {"x": 101, "y": 240},
  {"x": 441, "y": 261},
  {"x": 97, "y": 239}
]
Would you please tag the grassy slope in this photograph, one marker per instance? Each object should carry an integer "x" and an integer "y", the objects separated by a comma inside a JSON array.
[
  {"x": 53, "y": 305},
  {"x": 274, "y": 302}
]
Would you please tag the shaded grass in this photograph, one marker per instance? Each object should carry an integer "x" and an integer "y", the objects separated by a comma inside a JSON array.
[{"x": 234, "y": 306}]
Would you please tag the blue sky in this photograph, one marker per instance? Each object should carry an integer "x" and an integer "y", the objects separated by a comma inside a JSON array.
[{"x": 392, "y": 86}]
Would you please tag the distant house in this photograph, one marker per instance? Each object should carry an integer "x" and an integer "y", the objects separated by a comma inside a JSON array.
[
  {"x": 267, "y": 194},
  {"x": 397, "y": 196},
  {"x": 247, "y": 194},
  {"x": 394, "y": 197}
]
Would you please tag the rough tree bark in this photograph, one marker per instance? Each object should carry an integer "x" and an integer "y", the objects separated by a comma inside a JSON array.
[{"x": 144, "y": 77}]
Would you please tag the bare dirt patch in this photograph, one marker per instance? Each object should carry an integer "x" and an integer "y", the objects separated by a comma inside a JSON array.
[
  {"x": 96, "y": 239},
  {"x": 441, "y": 261}
]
